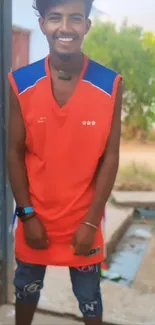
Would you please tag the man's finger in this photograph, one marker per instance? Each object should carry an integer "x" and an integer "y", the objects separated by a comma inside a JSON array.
[
  {"x": 81, "y": 250},
  {"x": 77, "y": 250},
  {"x": 77, "y": 253},
  {"x": 38, "y": 244},
  {"x": 45, "y": 239},
  {"x": 74, "y": 242},
  {"x": 45, "y": 236}
]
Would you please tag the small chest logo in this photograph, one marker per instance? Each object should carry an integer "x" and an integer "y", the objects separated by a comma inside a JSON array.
[
  {"x": 42, "y": 119},
  {"x": 88, "y": 123}
]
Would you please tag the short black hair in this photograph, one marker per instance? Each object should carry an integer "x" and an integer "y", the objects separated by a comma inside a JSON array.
[{"x": 42, "y": 5}]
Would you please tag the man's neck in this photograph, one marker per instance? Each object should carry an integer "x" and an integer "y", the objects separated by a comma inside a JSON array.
[{"x": 72, "y": 65}]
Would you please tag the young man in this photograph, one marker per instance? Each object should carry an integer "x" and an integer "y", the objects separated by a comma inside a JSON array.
[{"x": 64, "y": 135}]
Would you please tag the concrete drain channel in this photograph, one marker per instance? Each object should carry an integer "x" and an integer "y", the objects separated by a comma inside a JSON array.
[{"x": 129, "y": 252}]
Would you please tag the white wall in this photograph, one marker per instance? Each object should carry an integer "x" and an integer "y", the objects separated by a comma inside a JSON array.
[
  {"x": 24, "y": 16},
  {"x": 38, "y": 46}
]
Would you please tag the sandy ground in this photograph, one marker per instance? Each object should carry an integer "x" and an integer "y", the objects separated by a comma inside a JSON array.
[{"x": 138, "y": 153}]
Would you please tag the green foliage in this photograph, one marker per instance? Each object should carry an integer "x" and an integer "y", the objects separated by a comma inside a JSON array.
[
  {"x": 149, "y": 43},
  {"x": 131, "y": 52}
]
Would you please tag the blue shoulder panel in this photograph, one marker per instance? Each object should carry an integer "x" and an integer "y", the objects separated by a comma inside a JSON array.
[
  {"x": 27, "y": 76},
  {"x": 100, "y": 76}
]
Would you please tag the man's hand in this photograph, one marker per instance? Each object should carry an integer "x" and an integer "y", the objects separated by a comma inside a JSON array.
[
  {"x": 83, "y": 239},
  {"x": 35, "y": 234}
]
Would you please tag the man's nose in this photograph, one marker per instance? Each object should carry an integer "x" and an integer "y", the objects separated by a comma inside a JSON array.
[{"x": 66, "y": 25}]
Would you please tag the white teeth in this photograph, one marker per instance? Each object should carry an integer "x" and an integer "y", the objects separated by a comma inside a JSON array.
[{"x": 65, "y": 39}]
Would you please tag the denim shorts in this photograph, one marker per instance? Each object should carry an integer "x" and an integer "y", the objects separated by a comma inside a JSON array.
[{"x": 29, "y": 279}]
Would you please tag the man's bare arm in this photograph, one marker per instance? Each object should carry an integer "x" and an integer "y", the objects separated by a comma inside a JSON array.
[
  {"x": 16, "y": 154},
  {"x": 34, "y": 231},
  {"x": 109, "y": 167}
]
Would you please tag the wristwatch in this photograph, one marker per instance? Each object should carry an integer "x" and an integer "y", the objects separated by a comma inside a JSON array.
[{"x": 24, "y": 213}]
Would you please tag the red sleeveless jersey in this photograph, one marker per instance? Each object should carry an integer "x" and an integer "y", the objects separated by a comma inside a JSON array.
[{"x": 63, "y": 148}]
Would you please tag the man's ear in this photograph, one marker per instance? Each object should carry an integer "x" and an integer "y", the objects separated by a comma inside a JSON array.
[
  {"x": 41, "y": 24},
  {"x": 88, "y": 25}
]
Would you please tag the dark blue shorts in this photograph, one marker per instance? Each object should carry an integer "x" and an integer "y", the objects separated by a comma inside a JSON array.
[{"x": 85, "y": 283}]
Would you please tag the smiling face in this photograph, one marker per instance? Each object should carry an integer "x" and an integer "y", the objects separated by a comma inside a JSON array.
[{"x": 65, "y": 26}]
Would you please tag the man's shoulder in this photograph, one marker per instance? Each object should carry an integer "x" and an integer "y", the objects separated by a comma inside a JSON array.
[
  {"x": 100, "y": 76},
  {"x": 100, "y": 67},
  {"x": 27, "y": 76}
]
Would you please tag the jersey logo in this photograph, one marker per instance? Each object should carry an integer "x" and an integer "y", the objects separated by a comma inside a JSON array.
[
  {"x": 88, "y": 123},
  {"x": 42, "y": 119}
]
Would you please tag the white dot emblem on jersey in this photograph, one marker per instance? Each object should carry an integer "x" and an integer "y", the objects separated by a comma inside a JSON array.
[{"x": 89, "y": 123}]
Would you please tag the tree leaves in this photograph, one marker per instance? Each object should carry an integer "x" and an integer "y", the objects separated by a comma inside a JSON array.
[{"x": 131, "y": 52}]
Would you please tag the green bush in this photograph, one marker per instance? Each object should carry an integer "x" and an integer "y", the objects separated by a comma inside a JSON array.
[{"x": 131, "y": 52}]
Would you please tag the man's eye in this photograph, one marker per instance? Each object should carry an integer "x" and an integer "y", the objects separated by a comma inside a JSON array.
[
  {"x": 76, "y": 19},
  {"x": 55, "y": 18}
]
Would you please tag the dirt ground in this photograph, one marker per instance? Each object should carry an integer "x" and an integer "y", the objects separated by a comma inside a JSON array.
[{"x": 138, "y": 153}]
